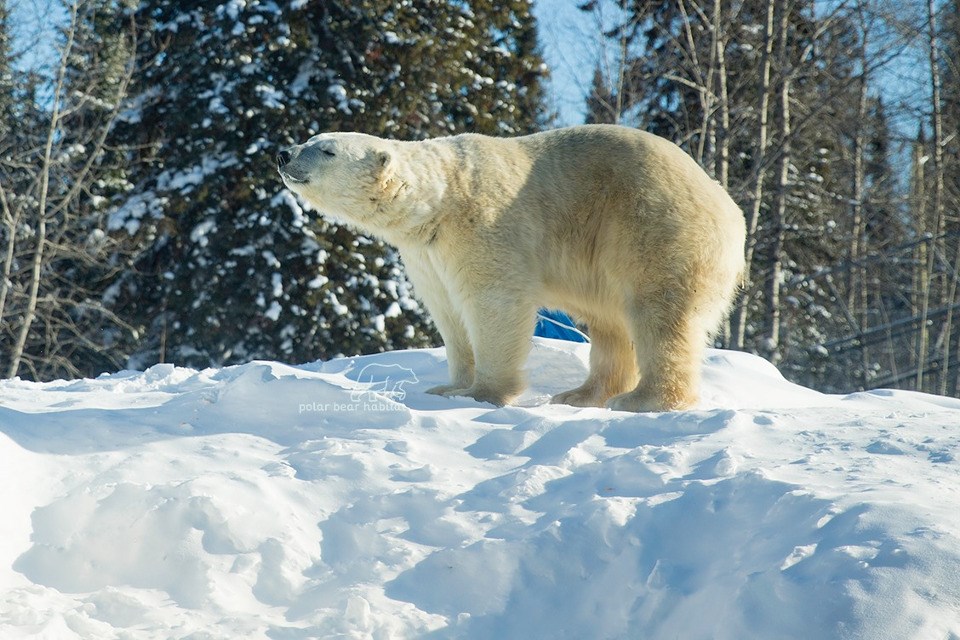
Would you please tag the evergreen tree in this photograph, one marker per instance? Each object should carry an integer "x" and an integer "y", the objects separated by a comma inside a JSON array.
[
  {"x": 601, "y": 101},
  {"x": 231, "y": 267},
  {"x": 887, "y": 280}
]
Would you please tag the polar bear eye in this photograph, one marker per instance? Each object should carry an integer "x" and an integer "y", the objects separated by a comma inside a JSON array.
[{"x": 327, "y": 152}]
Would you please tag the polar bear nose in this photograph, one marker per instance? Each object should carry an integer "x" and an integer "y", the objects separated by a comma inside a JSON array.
[{"x": 283, "y": 158}]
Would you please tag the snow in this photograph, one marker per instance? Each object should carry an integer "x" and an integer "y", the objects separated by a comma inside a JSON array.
[
  {"x": 338, "y": 500},
  {"x": 200, "y": 233},
  {"x": 271, "y": 96},
  {"x": 393, "y": 311},
  {"x": 274, "y": 311},
  {"x": 185, "y": 180},
  {"x": 131, "y": 213}
]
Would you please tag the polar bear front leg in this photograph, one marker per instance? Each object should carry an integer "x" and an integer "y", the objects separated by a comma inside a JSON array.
[
  {"x": 432, "y": 291},
  {"x": 460, "y": 363},
  {"x": 500, "y": 324}
]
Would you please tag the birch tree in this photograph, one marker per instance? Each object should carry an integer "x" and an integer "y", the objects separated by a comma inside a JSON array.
[
  {"x": 757, "y": 174},
  {"x": 928, "y": 284},
  {"x": 771, "y": 345},
  {"x": 945, "y": 77}
]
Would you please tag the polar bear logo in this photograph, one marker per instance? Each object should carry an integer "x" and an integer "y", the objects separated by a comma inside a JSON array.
[
  {"x": 618, "y": 227},
  {"x": 384, "y": 380}
]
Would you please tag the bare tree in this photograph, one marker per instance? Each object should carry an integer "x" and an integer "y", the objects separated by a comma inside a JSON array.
[
  {"x": 948, "y": 296},
  {"x": 778, "y": 223},
  {"x": 856, "y": 277},
  {"x": 49, "y": 181},
  {"x": 936, "y": 214}
]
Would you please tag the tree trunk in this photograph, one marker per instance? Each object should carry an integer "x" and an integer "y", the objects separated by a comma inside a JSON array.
[
  {"x": 856, "y": 276},
  {"x": 918, "y": 201},
  {"x": 722, "y": 130},
  {"x": 937, "y": 204},
  {"x": 10, "y": 221},
  {"x": 772, "y": 341},
  {"x": 738, "y": 329},
  {"x": 947, "y": 293}
]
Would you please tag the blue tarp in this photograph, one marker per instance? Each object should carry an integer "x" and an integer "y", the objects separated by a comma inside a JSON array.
[{"x": 558, "y": 328}]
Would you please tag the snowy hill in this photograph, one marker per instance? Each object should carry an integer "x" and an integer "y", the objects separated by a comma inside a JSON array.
[{"x": 337, "y": 500}]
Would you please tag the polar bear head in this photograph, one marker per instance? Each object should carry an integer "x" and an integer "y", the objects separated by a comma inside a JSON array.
[{"x": 349, "y": 176}]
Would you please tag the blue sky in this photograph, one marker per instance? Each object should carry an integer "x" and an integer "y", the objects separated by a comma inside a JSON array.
[
  {"x": 571, "y": 44},
  {"x": 571, "y": 49},
  {"x": 33, "y": 22}
]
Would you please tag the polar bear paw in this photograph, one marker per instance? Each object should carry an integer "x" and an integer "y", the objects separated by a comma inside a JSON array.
[
  {"x": 446, "y": 390},
  {"x": 579, "y": 397},
  {"x": 478, "y": 393},
  {"x": 637, "y": 401}
]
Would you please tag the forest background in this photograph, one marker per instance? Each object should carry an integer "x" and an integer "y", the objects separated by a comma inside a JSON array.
[{"x": 141, "y": 219}]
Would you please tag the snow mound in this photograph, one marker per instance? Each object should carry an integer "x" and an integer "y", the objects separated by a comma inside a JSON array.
[{"x": 338, "y": 500}]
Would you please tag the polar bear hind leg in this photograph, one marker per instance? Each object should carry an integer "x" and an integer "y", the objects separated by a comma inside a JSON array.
[
  {"x": 613, "y": 367},
  {"x": 669, "y": 350}
]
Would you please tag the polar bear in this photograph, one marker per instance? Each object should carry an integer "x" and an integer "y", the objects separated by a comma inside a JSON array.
[{"x": 618, "y": 227}]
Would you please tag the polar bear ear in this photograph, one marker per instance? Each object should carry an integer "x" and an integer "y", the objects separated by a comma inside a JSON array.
[{"x": 383, "y": 165}]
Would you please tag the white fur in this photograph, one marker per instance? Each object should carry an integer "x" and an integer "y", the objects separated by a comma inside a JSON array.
[{"x": 616, "y": 226}]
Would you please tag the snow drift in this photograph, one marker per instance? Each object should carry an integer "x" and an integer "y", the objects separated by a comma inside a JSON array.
[{"x": 332, "y": 500}]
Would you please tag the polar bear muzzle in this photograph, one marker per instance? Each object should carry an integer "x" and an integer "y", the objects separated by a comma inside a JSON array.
[{"x": 284, "y": 159}]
